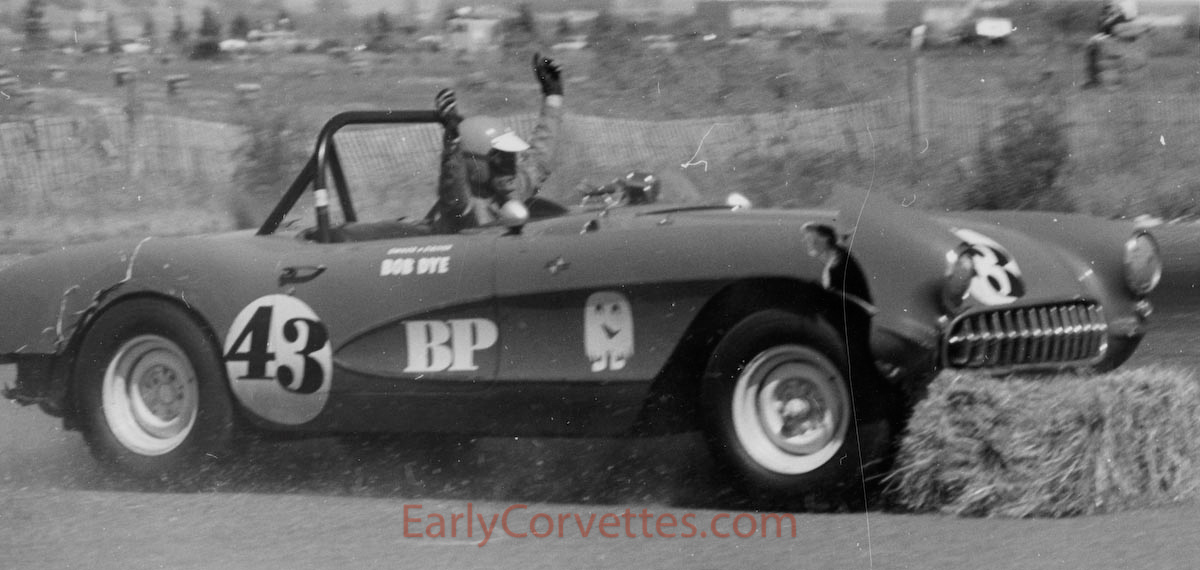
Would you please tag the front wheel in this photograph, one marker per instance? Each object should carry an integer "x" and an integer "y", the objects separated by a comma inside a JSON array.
[
  {"x": 781, "y": 413},
  {"x": 151, "y": 393}
]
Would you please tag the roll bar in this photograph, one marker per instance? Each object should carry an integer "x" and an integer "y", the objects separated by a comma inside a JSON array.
[{"x": 325, "y": 156}]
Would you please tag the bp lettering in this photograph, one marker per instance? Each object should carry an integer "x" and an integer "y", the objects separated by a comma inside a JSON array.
[{"x": 447, "y": 346}]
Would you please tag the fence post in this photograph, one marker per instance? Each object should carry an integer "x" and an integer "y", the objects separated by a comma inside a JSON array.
[
  {"x": 916, "y": 102},
  {"x": 126, "y": 77}
]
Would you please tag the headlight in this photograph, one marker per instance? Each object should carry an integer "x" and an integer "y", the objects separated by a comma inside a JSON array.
[
  {"x": 1143, "y": 266},
  {"x": 960, "y": 270}
]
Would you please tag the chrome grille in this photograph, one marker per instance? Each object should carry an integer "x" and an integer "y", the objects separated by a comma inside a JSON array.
[{"x": 1058, "y": 334}]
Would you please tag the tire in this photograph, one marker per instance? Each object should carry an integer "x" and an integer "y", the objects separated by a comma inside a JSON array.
[
  {"x": 780, "y": 412},
  {"x": 151, "y": 392}
]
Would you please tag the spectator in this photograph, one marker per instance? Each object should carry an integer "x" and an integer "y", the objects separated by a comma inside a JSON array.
[
  {"x": 1113, "y": 13},
  {"x": 842, "y": 272}
]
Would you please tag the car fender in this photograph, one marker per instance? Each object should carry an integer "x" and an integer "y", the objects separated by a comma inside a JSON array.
[
  {"x": 902, "y": 251},
  {"x": 51, "y": 298}
]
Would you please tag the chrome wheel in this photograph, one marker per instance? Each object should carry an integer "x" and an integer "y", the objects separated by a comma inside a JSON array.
[
  {"x": 791, "y": 409},
  {"x": 150, "y": 396}
]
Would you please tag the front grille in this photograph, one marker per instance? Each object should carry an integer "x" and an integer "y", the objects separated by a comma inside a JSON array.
[{"x": 1057, "y": 334}]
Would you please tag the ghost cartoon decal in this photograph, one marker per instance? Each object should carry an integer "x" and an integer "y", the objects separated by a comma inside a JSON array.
[
  {"x": 997, "y": 278},
  {"x": 608, "y": 330}
]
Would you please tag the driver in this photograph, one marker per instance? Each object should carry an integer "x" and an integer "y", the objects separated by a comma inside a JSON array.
[{"x": 488, "y": 171}]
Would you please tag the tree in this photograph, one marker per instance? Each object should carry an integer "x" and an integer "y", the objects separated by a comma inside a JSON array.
[
  {"x": 179, "y": 32},
  {"x": 526, "y": 21},
  {"x": 380, "y": 29},
  {"x": 608, "y": 32},
  {"x": 112, "y": 33},
  {"x": 1072, "y": 17},
  {"x": 210, "y": 27},
  {"x": 149, "y": 29},
  {"x": 208, "y": 41},
  {"x": 239, "y": 27},
  {"x": 383, "y": 24},
  {"x": 36, "y": 33},
  {"x": 522, "y": 30},
  {"x": 1022, "y": 159},
  {"x": 610, "y": 39}
]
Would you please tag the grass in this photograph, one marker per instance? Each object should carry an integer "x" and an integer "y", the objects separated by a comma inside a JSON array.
[
  {"x": 1052, "y": 447},
  {"x": 671, "y": 85},
  {"x": 701, "y": 80}
]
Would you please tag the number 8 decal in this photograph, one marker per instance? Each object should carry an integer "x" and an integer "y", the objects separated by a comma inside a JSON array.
[
  {"x": 279, "y": 361},
  {"x": 997, "y": 278}
]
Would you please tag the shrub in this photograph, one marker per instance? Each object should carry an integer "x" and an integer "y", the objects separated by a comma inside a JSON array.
[
  {"x": 1180, "y": 201},
  {"x": 1021, "y": 160},
  {"x": 272, "y": 153},
  {"x": 1191, "y": 27},
  {"x": 1071, "y": 17},
  {"x": 793, "y": 180},
  {"x": 1051, "y": 447},
  {"x": 206, "y": 49}
]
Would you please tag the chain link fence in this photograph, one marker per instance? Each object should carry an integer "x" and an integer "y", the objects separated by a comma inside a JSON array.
[{"x": 107, "y": 159}]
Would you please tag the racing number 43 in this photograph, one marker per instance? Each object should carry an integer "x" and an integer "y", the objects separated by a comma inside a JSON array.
[{"x": 297, "y": 371}]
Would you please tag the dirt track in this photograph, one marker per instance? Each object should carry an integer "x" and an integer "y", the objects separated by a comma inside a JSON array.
[{"x": 318, "y": 504}]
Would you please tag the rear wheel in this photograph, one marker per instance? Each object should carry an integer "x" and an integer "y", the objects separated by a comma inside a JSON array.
[
  {"x": 151, "y": 391},
  {"x": 781, "y": 412}
]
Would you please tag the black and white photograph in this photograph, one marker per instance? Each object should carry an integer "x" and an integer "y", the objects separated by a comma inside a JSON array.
[{"x": 546, "y": 284}]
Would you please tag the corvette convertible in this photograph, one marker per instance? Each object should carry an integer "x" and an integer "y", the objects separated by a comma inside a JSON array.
[{"x": 620, "y": 315}]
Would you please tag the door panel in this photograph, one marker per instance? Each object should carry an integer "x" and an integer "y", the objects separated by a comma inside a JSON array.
[
  {"x": 599, "y": 306},
  {"x": 407, "y": 315}
]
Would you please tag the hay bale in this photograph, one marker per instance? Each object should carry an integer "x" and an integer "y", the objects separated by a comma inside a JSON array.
[{"x": 1063, "y": 446}]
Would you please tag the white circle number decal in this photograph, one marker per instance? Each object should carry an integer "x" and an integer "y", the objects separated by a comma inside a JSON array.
[
  {"x": 997, "y": 278},
  {"x": 279, "y": 361}
]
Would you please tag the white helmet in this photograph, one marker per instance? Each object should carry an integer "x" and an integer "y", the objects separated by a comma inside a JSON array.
[{"x": 482, "y": 133}]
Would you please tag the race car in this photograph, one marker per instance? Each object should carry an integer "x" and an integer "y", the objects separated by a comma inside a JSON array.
[{"x": 617, "y": 316}]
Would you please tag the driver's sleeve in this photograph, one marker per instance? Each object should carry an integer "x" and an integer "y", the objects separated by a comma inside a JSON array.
[
  {"x": 534, "y": 165},
  {"x": 452, "y": 211}
]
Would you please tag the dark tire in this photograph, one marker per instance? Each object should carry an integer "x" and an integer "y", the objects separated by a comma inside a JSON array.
[
  {"x": 781, "y": 413},
  {"x": 151, "y": 392}
]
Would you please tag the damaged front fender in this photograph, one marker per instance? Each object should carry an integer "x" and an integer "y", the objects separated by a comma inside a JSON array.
[{"x": 46, "y": 299}]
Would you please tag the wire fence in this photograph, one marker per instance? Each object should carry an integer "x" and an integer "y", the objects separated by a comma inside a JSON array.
[{"x": 80, "y": 161}]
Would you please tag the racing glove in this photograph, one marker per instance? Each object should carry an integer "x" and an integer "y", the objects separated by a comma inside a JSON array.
[
  {"x": 549, "y": 74},
  {"x": 447, "y": 111}
]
